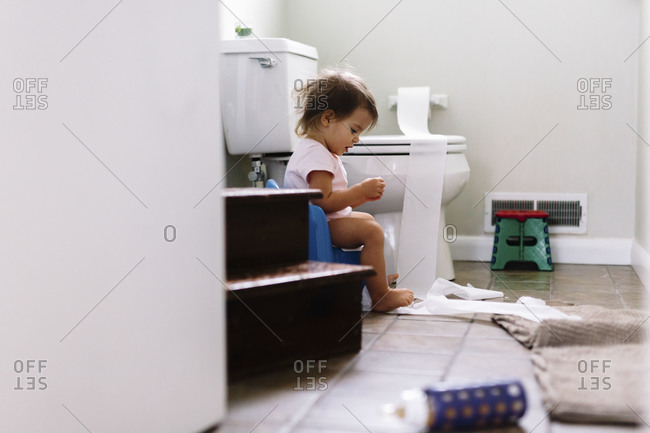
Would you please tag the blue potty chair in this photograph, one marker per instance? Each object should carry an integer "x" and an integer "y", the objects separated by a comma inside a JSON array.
[{"x": 320, "y": 242}]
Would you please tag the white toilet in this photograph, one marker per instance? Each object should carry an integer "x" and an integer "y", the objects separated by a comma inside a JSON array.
[
  {"x": 388, "y": 157},
  {"x": 256, "y": 80}
]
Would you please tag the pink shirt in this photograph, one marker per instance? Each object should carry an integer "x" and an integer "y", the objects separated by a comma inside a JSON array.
[{"x": 310, "y": 155}]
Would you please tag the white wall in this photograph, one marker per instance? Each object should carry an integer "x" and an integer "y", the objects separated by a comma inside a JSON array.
[
  {"x": 511, "y": 71},
  {"x": 641, "y": 249},
  {"x": 267, "y": 18},
  {"x": 127, "y": 324},
  {"x": 506, "y": 89}
]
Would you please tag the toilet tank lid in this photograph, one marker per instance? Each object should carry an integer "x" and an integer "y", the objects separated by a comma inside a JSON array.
[{"x": 272, "y": 45}]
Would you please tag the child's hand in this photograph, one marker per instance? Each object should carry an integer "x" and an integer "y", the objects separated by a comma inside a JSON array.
[{"x": 373, "y": 188}]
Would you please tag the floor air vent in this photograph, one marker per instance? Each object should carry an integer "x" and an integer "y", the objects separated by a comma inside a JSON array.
[{"x": 567, "y": 212}]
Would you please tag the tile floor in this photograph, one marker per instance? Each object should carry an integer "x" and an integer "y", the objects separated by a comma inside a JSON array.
[{"x": 346, "y": 394}]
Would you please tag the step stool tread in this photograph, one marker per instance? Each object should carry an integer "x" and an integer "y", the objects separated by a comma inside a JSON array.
[
  {"x": 302, "y": 274},
  {"x": 255, "y": 195}
]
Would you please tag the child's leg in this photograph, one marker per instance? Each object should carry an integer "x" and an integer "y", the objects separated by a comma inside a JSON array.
[
  {"x": 362, "y": 229},
  {"x": 390, "y": 278}
]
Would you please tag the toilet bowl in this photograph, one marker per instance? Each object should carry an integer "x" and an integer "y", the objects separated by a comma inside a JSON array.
[{"x": 388, "y": 157}]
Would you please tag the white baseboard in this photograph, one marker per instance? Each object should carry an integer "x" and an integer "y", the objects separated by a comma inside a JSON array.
[
  {"x": 641, "y": 263},
  {"x": 564, "y": 249}
]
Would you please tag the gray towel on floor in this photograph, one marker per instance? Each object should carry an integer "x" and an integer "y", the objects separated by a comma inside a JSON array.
[
  {"x": 593, "y": 384},
  {"x": 599, "y": 326}
]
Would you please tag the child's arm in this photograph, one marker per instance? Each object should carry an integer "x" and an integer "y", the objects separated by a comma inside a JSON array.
[
  {"x": 364, "y": 200},
  {"x": 332, "y": 201}
]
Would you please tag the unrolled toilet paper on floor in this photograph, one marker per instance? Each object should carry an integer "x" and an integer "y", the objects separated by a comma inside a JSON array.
[{"x": 436, "y": 303}]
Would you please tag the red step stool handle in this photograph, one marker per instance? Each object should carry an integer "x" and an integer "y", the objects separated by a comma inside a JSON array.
[{"x": 521, "y": 215}]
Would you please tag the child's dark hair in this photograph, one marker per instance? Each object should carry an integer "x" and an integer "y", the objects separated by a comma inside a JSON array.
[{"x": 334, "y": 89}]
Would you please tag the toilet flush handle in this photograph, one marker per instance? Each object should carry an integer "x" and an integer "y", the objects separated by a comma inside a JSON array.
[{"x": 265, "y": 62}]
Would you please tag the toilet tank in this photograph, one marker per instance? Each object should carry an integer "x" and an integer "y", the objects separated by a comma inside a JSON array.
[{"x": 257, "y": 77}]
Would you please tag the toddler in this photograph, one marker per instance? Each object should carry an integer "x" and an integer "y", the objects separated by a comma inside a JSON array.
[{"x": 334, "y": 110}]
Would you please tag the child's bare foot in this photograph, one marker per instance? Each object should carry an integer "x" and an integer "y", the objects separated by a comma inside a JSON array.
[
  {"x": 392, "y": 278},
  {"x": 395, "y": 298}
]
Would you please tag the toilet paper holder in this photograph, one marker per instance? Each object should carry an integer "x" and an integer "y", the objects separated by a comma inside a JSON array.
[{"x": 436, "y": 100}]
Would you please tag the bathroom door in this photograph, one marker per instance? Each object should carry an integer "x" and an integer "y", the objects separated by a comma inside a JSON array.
[{"x": 111, "y": 308}]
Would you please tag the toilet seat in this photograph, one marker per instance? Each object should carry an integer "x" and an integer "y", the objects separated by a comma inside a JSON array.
[{"x": 398, "y": 145}]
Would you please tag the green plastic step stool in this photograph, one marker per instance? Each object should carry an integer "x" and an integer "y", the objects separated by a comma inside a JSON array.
[{"x": 521, "y": 236}]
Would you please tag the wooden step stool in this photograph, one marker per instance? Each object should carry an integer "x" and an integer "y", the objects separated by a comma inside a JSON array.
[
  {"x": 280, "y": 306},
  {"x": 521, "y": 236}
]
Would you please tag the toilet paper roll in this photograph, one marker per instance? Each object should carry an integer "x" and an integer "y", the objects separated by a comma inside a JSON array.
[
  {"x": 413, "y": 109},
  {"x": 418, "y": 243}
]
